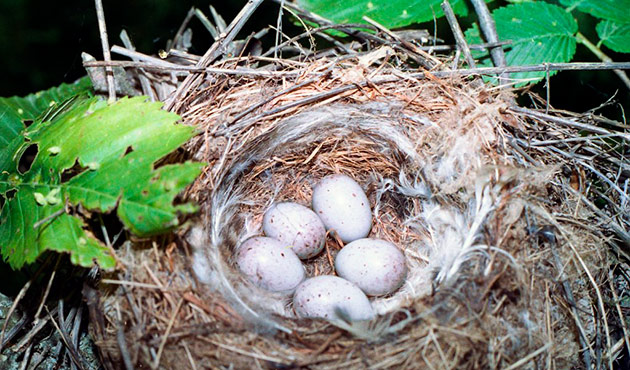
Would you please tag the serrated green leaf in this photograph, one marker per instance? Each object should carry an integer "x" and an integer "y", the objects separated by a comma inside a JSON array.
[
  {"x": 15, "y": 110},
  {"x": 390, "y": 13},
  {"x": 539, "y": 33},
  {"x": 110, "y": 151},
  {"x": 23, "y": 242},
  {"x": 615, "y": 36},
  {"x": 614, "y": 10}
]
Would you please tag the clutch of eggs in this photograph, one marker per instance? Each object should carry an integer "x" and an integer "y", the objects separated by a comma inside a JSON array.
[{"x": 365, "y": 266}]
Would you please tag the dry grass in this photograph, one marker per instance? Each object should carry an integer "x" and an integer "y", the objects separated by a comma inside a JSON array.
[{"x": 519, "y": 290}]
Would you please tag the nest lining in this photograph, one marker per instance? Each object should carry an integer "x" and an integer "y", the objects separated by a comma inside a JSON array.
[{"x": 434, "y": 159}]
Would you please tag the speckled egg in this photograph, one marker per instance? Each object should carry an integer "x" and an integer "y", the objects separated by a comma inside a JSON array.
[
  {"x": 295, "y": 226},
  {"x": 269, "y": 264},
  {"x": 376, "y": 266},
  {"x": 343, "y": 207},
  {"x": 331, "y": 297}
]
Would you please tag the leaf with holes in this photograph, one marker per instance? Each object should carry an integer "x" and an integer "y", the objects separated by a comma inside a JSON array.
[
  {"x": 615, "y": 36},
  {"x": 389, "y": 13},
  {"x": 100, "y": 157},
  {"x": 16, "y": 111},
  {"x": 539, "y": 33},
  {"x": 613, "y": 10}
]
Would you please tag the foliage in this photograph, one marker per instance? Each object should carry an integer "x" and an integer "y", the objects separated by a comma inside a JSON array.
[
  {"x": 613, "y": 10},
  {"x": 390, "y": 13},
  {"x": 614, "y": 35},
  {"x": 90, "y": 157},
  {"x": 538, "y": 32}
]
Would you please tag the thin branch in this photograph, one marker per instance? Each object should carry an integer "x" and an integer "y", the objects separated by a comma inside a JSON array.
[
  {"x": 171, "y": 322},
  {"x": 182, "y": 28},
  {"x": 65, "y": 338},
  {"x": 486, "y": 23},
  {"x": 167, "y": 66},
  {"x": 565, "y": 122},
  {"x": 144, "y": 80},
  {"x": 137, "y": 56},
  {"x": 122, "y": 341},
  {"x": 206, "y": 23},
  {"x": 105, "y": 44},
  {"x": 193, "y": 81},
  {"x": 239, "y": 71},
  {"x": 426, "y": 57},
  {"x": 457, "y": 32},
  {"x": 602, "y": 56}
]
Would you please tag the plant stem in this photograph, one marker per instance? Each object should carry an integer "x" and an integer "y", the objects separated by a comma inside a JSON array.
[
  {"x": 100, "y": 14},
  {"x": 489, "y": 29},
  {"x": 602, "y": 56}
]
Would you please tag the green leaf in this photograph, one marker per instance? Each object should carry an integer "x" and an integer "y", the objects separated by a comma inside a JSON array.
[
  {"x": 614, "y": 10},
  {"x": 389, "y": 13},
  {"x": 615, "y": 36},
  {"x": 15, "y": 110},
  {"x": 107, "y": 155},
  {"x": 539, "y": 33}
]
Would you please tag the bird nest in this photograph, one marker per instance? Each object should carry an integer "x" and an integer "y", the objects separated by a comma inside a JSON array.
[
  {"x": 503, "y": 255},
  {"x": 490, "y": 203}
]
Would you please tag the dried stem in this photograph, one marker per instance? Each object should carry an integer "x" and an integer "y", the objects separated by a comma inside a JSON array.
[
  {"x": 242, "y": 71},
  {"x": 194, "y": 80},
  {"x": 144, "y": 80},
  {"x": 602, "y": 56},
  {"x": 111, "y": 87},
  {"x": 486, "y": 23},
  {"x": 457, "y": 32}
]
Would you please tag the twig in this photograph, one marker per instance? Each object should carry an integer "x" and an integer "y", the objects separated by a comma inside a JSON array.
[
  {"x": 622, "y": 320},
  {"x": 486, "y": 23},
  {"x": 602, "y": 56},
  {"x": 140, "y": 57},
  {"x": 12, "y": 309},
  {"x": 166, "y": 333},
  {"x": 384, "y": 79},
  {"x": 49, "y": 217},
  {"x": 239, "y": 71},
  {"x": 105, "y": 44},
  {"x": 27, "y": 358},
  {"x": 278, "y": 29},
  {"x": 565, "y": 122},
  {"x": 193, "y": 81},
  {"x": 144, "y": 80},
  {"x": 182, "y": 28},
  {"x": 74, "y": 355},
  {"x": 600, "y": 299},
  {"x": 426, "y": 57},
  {"x": 274, "y": 96},
  {"x": 121, "y": 341},
  {"x": 530, "y": 357},
  {"x": 457, "y": 32},
  {"x": 206, "y": 23},
  {"x": 568, "y": 293},
  {"x": 47, "y": 290},
  {"x": 33, "y": 332}
]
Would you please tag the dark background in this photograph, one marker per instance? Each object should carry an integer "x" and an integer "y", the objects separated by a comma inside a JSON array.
[{"x": 41, "y": 42}]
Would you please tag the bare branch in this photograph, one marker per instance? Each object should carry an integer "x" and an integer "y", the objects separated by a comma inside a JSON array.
[
  {"x": 489, "y": 29},
  {"x": 457, "y": 32},
  {"x": 105, "y": 44},
  {"x": 194, "y": 80}
]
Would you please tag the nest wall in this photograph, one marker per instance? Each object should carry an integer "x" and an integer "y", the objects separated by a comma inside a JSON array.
[{"x": 492, "y": 243}]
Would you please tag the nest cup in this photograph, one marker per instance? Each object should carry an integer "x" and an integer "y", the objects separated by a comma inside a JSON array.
[
  {"x": 444, "y": 185},
  {"x": 365, "y": 141}
]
